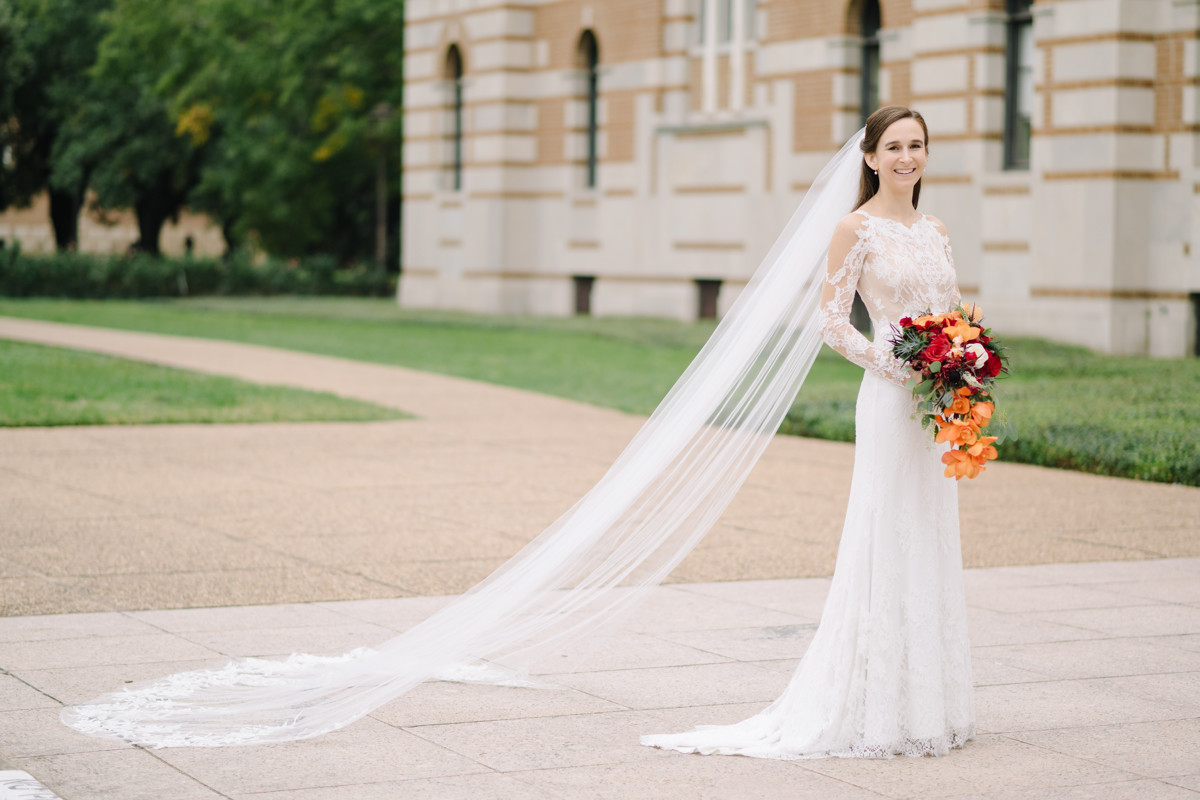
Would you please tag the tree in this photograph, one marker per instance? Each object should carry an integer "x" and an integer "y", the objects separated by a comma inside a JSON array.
[
  {"x": 46, "y": 50},
  {"x": 125, "y": 144},
  {"x": 279, "y": 93}
]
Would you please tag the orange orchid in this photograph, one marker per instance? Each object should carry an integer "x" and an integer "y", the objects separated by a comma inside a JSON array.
[
  {"x": 974, "y": 312},
  {"x": 960, "y": 465},
  {"x": 960, "y": 406},
  {"x": 982, "y": 449},
  {"x": 981, "y": 413},
  {"x": 958, "y": 433},
  {"x": 961, "y": 332}
]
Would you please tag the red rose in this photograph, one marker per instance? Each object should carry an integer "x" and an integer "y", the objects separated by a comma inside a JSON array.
[
  {"x": 906, "y": 322},
  {"x": 937, "y": 350},
  {"x": 991, "y": 368}
]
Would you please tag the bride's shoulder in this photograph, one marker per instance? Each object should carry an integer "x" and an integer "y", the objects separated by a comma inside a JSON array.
[
  {"x": 854, "y": 219},
  {"x": 937, "y": 223},
  {"x": 850, "y": 225}
]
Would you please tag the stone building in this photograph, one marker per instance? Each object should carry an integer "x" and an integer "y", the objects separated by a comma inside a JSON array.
[{"x": 639, "y": 156}]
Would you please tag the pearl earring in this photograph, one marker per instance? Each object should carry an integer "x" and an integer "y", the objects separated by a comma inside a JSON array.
[{"x": 875, "y": 171}]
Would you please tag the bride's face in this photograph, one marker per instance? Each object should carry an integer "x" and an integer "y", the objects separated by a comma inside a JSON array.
[{"x": 901, "y": 155}]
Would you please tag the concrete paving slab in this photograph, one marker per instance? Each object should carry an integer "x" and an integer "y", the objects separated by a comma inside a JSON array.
[
  {"x": 750, "y": 644},
  {"x": 1054, "y": 705},
  {"x": 1191, "y": 782},
  {"x": 705, "y": 778},
  {"x": 282, "y": 642},
  {"x": 1063, "y": 650},
  {"x": 72, "y": 626},
  {"x": 16, "y": 695},
  {"x": 1169, "y": 590},
  {"x": 1117, "y": 790},
  {"x": 387, "y": 613},
  {"x": 1094, "y": 658},
  {"x": 1181, "y": 689},
  {"x": 1187, "y": 641},
  {"x": 624, "y": 650},
  {"x": 1109, "y": 572},
  {"x": 37, "y": 732},
  {"x": 680, "y": 610},
  {"x": 803, "y": 598},
  {"x": 70, "y": 685},
  {"x": 369, "y": 750},
  {"x": 523, "y": 744},
  {"x": 689, "y": 685},
  {"x": 1150, "y": 749},
  {"x": 102, "y": 650},
  {"x": 239, "y": 618},
  {"x": 491, "y": 784},
  {"x": 994, "y": 764},
  {"x": 989, "y": 627},
  {"x": 441, "y": 703},
  {"x": 126, "y": 773},
  {"x": 985, "y": 672},
  {"x": 1152, "y": 619},
  {"x": 295, "y": 582},
  {"x": 1049, "y": 599},
  {"x": 556, "y": 740}
]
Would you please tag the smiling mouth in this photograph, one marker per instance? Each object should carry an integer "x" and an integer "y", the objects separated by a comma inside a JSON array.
[{"x": 905, "y": 171}]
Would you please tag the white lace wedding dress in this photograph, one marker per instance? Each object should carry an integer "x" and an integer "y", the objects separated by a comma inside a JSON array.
[{"x": 888, "y": 671}]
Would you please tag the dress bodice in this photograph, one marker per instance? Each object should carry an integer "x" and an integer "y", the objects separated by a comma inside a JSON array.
[{"x": 900, "y": 271}]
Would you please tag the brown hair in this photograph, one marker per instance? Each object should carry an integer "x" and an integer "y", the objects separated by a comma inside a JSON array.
[{"x": 877, "y": 123}]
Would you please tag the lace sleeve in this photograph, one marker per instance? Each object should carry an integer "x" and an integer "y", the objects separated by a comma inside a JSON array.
[{"x": 837, "y": 298}]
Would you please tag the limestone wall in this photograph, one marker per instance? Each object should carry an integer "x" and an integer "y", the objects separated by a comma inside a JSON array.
[{"x": 706, "y": 147}]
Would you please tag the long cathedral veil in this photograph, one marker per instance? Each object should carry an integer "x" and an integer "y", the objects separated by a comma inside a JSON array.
[{"x": 656, "y": 502}]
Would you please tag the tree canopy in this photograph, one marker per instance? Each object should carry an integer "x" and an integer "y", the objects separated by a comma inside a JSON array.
[
  {"x": 268, "y": 115},
  {"x": 46, "y": 50}
]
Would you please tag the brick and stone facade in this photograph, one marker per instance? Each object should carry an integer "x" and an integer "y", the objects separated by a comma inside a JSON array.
[{"x": 706, "y": 140}]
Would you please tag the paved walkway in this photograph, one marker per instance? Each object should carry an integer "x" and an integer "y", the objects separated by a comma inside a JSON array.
[{"x": 1088, "y": 673}]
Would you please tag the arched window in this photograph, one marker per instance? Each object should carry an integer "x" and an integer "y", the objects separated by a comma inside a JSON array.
[
  {"x": 589, "y": 62},
  {"x": 454, "y": 127},
  {"x": 868, "y": 28},
  {"x": 1018, "y": 84}
]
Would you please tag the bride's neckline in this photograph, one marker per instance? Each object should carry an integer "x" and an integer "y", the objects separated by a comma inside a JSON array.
[{"x": 915, "y": 223}]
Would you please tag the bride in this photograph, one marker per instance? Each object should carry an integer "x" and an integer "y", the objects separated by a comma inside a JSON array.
[{"x": 888, "y": 671}]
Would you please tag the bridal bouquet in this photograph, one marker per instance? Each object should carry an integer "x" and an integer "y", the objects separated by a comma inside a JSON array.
[{"x": 958, "y": 362}]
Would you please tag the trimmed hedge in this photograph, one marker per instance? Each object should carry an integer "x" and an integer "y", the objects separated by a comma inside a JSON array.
[{"x": 96, "y": 277}]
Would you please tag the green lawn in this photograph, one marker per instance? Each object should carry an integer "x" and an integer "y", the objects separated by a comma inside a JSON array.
[
  {"x": 47, "y": 386},
  {"x": 1134, "y": 417},
  {"x": 625, "y": 364}
]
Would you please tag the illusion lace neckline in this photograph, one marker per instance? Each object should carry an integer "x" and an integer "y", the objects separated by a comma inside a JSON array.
[{"x": 918, "y": 221}]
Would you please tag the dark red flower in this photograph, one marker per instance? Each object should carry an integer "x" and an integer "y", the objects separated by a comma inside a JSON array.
[
  {"x": 991, "y": 368},
  {"x": 906, "y": 322}
]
